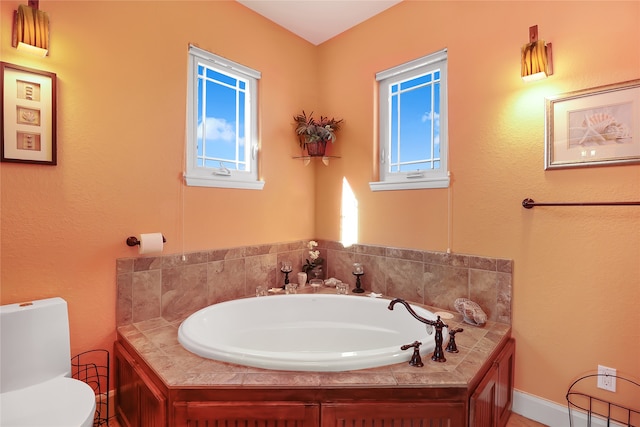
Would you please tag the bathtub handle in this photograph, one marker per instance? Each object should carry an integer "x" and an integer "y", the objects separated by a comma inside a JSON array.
[
  {"x": 416, "y": 360},
  {"x": 452, "y": 347}
]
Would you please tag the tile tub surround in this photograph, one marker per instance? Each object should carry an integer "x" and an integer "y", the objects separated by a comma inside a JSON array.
[
  {"x": 170, "y": 288},
  {"x": 156, "y": 342}
]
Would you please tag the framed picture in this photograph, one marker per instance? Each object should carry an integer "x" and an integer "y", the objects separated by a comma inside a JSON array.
[
  {"x": 593, "y": 127},
  {"x": 28, "y": 113}
]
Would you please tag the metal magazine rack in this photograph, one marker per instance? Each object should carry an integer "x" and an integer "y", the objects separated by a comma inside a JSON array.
[
  {"x": 596, "y": 411},
  {"x": 92, "y": 367}
]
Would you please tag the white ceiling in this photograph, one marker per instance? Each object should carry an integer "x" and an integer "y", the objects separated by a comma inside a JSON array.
[{"x": 318, "y": 20}]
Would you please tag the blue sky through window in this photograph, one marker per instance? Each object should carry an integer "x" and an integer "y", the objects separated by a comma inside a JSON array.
[
  {"x": 221, "y": 120},
  {"x": 415, "y": 123}
]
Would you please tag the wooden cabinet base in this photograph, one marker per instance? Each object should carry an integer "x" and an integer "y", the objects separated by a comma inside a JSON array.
[{"x": 143, "y": 400}]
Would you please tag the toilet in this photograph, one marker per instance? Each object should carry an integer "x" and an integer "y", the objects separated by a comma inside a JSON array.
[{"x": 36, "y": 388}]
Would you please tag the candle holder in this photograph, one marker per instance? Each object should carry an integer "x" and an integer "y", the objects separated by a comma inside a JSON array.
[
  {"x": 286, "y": 269},
  {"x": 358, "y": 289},
  {"x": 286, "y": 278}
]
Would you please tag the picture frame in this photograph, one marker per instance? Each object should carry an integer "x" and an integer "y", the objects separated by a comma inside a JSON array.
[
  {"x": 28, "y": 114},
  {"x": 593, "y": 127}
]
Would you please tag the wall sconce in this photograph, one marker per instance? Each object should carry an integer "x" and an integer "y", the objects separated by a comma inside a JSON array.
[
  {"x": 537, "y": 58},
  {"x": 31, "y": 29}
]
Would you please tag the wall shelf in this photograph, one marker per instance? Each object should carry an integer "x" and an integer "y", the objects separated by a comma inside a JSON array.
[{"x": 307, "y": 159}]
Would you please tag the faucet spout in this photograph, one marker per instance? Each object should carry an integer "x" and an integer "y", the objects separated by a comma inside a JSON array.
[
  {"x": 412, "y": 312},
  {"x": 438, "y": 354}
]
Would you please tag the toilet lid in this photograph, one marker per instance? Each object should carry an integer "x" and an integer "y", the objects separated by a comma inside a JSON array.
[{"x": 60, "y": 402}]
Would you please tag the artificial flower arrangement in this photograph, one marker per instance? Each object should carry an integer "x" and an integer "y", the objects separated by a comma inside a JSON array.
[
  {"x": 314, "y": 259},
  {"x": 312, "y": 132}
]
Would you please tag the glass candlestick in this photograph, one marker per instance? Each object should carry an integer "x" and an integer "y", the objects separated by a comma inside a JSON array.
[
  {"x": 286, "y": 269},
  {"x": 358, "y": 289}
]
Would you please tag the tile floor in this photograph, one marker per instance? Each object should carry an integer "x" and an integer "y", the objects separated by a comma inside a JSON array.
[{"x": 514, "y": 421}]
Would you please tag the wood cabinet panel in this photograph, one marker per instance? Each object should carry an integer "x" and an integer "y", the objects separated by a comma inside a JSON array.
[
  {"x": 385, "y": 414},
  {"x": 504, "y": 397},
  {"x": 482, "y": 406},
  {"x": 153, "y": 405},
  {"x": 490, "y": 403},
  {"x": 126, "y": 389},
  {"x": 139, "y": 403},
  {"x": 254, "y": 414}
]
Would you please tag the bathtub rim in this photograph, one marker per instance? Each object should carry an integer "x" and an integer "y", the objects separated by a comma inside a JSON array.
[{"x": 274, "y": 360}]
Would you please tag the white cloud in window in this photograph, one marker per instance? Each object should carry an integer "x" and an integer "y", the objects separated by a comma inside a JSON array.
[
  {"x": 218, "y": 130},
  {"x": 429, "y": 115}
]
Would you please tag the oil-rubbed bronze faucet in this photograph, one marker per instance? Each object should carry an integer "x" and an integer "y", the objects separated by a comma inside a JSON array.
[
  {"x": 452, "y": 347},
  {"x": 416, "y": 360},
  {"x": 438, "y": 354}
]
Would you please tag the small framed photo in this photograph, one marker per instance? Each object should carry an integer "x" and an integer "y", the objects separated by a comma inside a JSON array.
[
  {"x": 28, "y": 114},
  {"x": 593, "y": 127}
]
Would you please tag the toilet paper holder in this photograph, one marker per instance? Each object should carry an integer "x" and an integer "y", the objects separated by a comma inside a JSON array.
[{"x": 133, "y": 241}]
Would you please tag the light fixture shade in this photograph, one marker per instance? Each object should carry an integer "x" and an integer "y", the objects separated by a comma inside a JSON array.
[
  {"x": 535, "y": 62},
  {"x": 31, "y": 30},
  {"x": 536, "y": 58}
]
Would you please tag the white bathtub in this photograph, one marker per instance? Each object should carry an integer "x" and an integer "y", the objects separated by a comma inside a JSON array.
[{"x": 307, "y": 332}]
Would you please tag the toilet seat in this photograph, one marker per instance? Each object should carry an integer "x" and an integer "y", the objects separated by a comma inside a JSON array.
[{"x": 59, "y": 402}]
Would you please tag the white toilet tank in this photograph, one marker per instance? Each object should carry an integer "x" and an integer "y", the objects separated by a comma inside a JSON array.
[
  {"x": 35, "y": 343},
  {"x": 35, "y": 368}
]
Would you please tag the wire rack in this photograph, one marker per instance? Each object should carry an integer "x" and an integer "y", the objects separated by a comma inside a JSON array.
[
  {"x": 600, "y": 412},
  {"x": 92, "y": 367}
]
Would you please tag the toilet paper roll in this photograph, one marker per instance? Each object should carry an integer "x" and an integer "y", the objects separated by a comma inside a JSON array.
[{"x": 151, "y": 243}]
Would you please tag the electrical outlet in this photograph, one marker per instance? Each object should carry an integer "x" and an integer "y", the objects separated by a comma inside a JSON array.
[{"x": 606, "y": 378}]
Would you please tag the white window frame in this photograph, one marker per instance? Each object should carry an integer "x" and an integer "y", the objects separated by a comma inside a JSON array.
[
  {"x": 436, "y": 178},
  {"x": 221, "y": 177}
]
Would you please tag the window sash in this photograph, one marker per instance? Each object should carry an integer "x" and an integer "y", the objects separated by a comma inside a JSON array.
[
  {"x": 397, "y": 154},
  {"x": 241, "y": 170},
  {"x": 395, "y": 173},
  {"x": 239, "y": 159}
]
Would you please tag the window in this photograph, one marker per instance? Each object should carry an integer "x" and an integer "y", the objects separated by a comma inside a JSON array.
[
  {"x": 222, "y": 123},
  {"x": 413, "y": 125}
]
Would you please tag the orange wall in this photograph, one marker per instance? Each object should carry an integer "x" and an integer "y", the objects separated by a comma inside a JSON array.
[
  {"x": 121, "y": 70},
  {"x": 577, "y": 270}
]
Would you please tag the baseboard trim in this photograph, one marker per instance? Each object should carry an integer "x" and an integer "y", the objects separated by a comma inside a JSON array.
[{"x": 552, "y": 414}]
